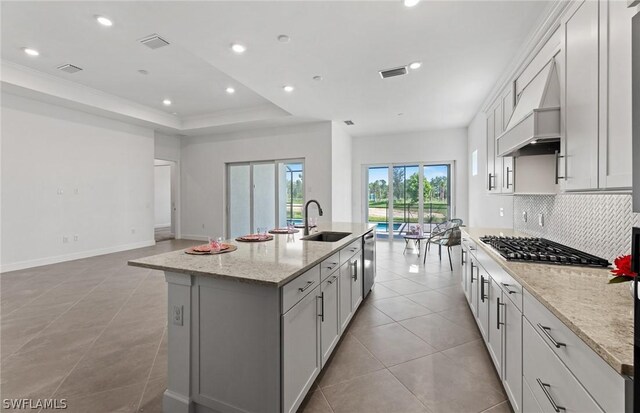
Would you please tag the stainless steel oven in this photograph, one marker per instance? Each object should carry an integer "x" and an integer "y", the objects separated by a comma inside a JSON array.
[{"x": 369, "y": 267}]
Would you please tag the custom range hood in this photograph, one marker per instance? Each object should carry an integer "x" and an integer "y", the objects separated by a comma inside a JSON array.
[{"x": 534, "y": 127}]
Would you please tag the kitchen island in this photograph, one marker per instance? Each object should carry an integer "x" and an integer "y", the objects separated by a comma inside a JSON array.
[{"x": 249, "y": 330}]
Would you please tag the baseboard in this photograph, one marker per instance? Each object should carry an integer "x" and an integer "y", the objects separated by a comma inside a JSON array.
[
  {"x": 73, "y": 256},
  {"x": 194, "y": 237},
  {"x": 162, "y": 226}
]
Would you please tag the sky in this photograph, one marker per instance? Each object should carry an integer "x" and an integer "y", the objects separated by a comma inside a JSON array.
[{"x": 431, "y": 171}]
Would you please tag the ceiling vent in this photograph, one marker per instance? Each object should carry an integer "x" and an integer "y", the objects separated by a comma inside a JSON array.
[
  {"x": 69, "y": 68},
  {"x": 398, "y": 71},
  {"x": 154, "y": 42},
  {"x": 348, "y": 122}
]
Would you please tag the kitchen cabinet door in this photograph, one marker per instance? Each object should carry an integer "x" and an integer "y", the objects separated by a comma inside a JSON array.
[
  {"x": 344, "y": 290},
  {"x": 615, "y": 95},
  {"x": 483, "y": 303},
  {"x": 493, "y": 186},
  {"x": 329, "y": 316},
  {"x": 356, "y": 282},
  {"x": 581, "y": 97},
  {"x": 496, "y": 330},
  {"x": 512, "y": 354},
  {"x": 301, "y": 349},
  {"x": 466, "y": 284},
  {"x": 507, "y": 162}
]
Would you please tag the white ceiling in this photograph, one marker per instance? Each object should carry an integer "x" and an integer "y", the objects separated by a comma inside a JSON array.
[{"x": 464, "y": 48}]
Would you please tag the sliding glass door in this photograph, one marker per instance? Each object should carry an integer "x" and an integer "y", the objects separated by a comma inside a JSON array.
[
  {"x": 400, "y": 196},
  {"x": 263, "y": 195}
]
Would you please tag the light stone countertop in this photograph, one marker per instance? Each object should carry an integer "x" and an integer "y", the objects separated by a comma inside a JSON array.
[
  {"x": 272, "y": 263},
  {"x": 601, "y": 314}
]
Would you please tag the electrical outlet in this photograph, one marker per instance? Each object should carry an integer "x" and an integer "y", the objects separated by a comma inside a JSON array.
[
  {"x": 65, "y": 239},
  {"x": 501, "y": 212},
  {"x": 541, "y": 220},
  {"x": 60, "y": 191},
  {"x": 75, "y": 237},
  {"x": 178, "y": 315},
  {"x": 524, "y": 216}
]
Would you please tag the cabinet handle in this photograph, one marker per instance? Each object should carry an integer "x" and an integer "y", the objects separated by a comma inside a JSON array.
[
  {"x": 506, "y": 287},
  {"x": 309, "y": 284},
  {"x": 332, "y": 265},
  {"x": 557, "y": 167},
  {"x": 472, "y": 266},
  {"x": 509, "y": 170},
  {"x": 354, "y": 270},
  {"x": 482, "y": 295},
  {"x": 462, "y": 255},
  {"x": 332, "y": 280},
  {"x": 544, "y": 387},
  {"x": 491, "y": 176},
  {"x": 321, "y": 315},
  {"x": 498, "y": 314},
  {"x": 545, "y": 330}
]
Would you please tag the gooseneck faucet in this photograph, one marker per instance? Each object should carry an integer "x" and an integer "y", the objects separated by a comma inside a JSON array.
[{"x": 306, "y": 214}]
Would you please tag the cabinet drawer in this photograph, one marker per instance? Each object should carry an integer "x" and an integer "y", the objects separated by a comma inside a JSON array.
[
  {"x": 330, "y": 265},
  {"x": 350, "y": 250},
  {"x": 468, "y": 244},
  {"x": 512, "y": 290},
  {"x": 605, "y": 385},
  {"x": 529, "y": 402},
  {"x": 297, "y": 289},
  {"x": 553, "y": 386}
]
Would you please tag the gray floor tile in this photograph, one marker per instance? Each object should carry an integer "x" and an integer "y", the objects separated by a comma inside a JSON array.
[
  {"x": 400, "y": 308},
  {"x": 439, "y": 332}
]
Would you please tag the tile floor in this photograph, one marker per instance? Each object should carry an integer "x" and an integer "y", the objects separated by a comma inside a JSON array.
[{"x": 93, "y": 331}]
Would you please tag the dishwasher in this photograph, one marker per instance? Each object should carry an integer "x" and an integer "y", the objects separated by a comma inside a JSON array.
[{"x": 369, "y": 259}]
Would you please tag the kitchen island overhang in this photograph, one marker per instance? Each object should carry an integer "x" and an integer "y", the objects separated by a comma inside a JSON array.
[{"x": 249, "y": 331}]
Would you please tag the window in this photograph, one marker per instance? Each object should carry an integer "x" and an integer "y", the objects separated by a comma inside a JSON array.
[
  {"x": 263, "y": 195},
  {"x": 402, "y": 195}
]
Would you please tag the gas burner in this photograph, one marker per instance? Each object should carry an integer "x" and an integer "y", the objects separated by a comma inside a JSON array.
[{"x": 541, "y": 250}]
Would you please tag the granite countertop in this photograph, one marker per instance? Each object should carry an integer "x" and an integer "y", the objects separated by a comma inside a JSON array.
[
  {"x": 272, "y": 263},
  {"x": 601, "y": 314}
]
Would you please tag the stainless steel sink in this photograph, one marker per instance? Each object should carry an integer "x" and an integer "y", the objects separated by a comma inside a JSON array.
[{"x": 326, "y": 236}]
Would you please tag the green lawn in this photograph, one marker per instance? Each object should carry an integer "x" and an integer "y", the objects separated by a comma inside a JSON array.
[{"x": 398, "y": 204}]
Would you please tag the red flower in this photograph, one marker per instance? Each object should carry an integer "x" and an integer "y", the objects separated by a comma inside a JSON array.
[{"x": 623, "y": 267}]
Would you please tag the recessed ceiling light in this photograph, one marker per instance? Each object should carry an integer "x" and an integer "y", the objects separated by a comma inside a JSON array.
[
  {"x": 238, "y": 48},
  {"x": 143, "y": 72},
  {"x": 415, "y": 65},
  {"x": 104, "y": 21},
  {"x": 30, "y": 52},
  {"x": 230, "y": 90},
  {"x": 283, "y": 38},
  {"x": 166, "y": 102},
  {"x": 288, "y": 88},
  {"x": 317, "y": 78},
  {"x": 411, "y": 3}
]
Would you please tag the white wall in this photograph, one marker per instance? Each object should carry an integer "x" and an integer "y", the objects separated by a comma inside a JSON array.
[
  {"x": 203, "y": 169},
  {"x": 484, "y": 209},
  {"x": 162, "y": 196},
  {"x": 341, "y": 188},
  {"x": 103, "y": 167},
  {"x": 167, "y": 147},
  {"x": 428, "y": 146}
]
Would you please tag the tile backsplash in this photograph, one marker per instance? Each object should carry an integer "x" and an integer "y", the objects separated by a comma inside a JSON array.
[{"x": 599, "y": 224}]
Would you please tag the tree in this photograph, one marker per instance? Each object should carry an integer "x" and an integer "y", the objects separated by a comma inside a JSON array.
[
  {"x": 413, "y": 189},
  {"x": 440, "y": 186}
]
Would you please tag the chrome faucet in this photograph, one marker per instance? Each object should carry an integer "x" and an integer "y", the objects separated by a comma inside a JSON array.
[{"x": 306, "y": 214}]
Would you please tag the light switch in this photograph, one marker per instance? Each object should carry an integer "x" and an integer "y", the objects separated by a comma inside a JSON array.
[
  {"x": 501, "y": 212},
  {"x": 524, "y": 216},
  {"x": 541, "y": 220}
]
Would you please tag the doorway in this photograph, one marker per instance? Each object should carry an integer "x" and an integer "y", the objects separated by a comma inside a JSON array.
[{"x": 164, "y": 200}]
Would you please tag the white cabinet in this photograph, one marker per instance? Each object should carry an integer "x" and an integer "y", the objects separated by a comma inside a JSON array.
[
  {"x": 356, "y": 281},
  {"x": 466, "y": 277},
  {"x": 500, "y": 174},
  {"x": 494, "y": 333},
  {"x": 329, "y": 316},
  {"x": 344, "y": 291},
  {"x": 615, "y": 94},
  {"x": 511, "y": 318},
  {"x": 580, "y": 109},
  {"x": 474, "y": 280},
  {"x": 301, "y": 361},
  {"x": 597, "y": 96}
]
